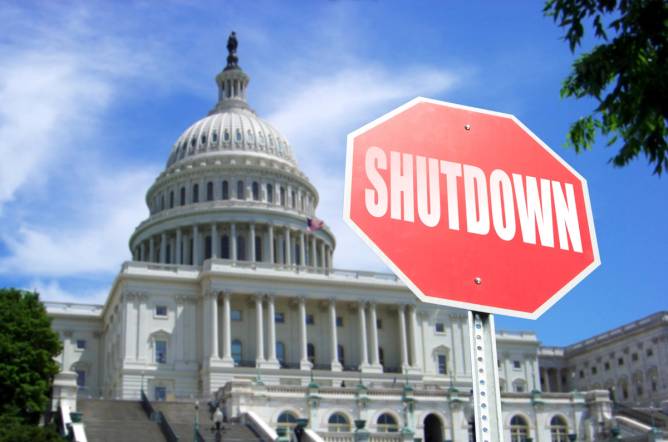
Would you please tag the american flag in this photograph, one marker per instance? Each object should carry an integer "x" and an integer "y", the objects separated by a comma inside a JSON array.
[{"x": 313, "y": 224}]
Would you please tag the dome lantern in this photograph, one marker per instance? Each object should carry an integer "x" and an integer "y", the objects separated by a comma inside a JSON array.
[{"x": 232, "y": 81}]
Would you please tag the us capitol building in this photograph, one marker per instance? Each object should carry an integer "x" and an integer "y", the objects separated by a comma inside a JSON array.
[{"x": 232, "y": 295}]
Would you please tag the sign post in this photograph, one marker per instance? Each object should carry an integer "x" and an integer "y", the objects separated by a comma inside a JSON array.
[{"x": 471, "y": 210}]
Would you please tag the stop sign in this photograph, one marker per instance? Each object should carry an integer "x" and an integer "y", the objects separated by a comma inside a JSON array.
[{"x": 469, "y": 208}]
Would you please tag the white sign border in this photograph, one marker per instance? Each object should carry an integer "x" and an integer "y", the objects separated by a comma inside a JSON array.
[{"x": 448, "y": 302}]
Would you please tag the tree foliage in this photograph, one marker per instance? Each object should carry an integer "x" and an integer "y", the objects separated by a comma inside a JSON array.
[
  {"x": 626, "y": 73},
  {"x": 27, "y": 348}
]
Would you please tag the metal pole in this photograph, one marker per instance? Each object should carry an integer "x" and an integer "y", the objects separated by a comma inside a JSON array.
[{"x": 486, "y": 393}]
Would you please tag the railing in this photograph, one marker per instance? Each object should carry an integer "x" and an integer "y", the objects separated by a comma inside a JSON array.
[
  {"x": 392, "y": 370},
  {"x": 293, "y": 365},
  {"x": 159, "y": 418},
  {"x": 258, "y": 426},
  {"x": 645, "y": 416},
  {"x": 243, "y": 363},
  {"x": 351, "y": 368}
]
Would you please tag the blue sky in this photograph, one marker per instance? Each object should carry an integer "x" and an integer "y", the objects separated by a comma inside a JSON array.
[{"x": 94, "y": 94}]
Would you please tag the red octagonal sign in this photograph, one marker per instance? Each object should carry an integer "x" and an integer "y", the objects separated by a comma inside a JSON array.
[{"x": 470, "y": 208}]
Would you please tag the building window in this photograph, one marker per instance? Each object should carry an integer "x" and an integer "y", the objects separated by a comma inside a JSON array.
[
  {"x": 440, "y": 327},
  {"x": 81, "y": 378},
  {"x": 183, "y": 196},
  {"x": 518, "y": 386},
  {"x": 207, "y": 247},
  {"x": 293, "y": 199},
  {"x": 256, "y": 191},
  {"x": 160, "y": 393},
  {"x": 171, "y": 199},
  {"x": 559, "y": 429},
  {"x": 195, "y": 193},
  {"x": 386, "y": 423},
  {"x": 162, "y": 202},
  {"x": 593, "y": 370},
  {"x": 442, "y": 364},
  {"x": 381, "y": 356},
  {"x": 649, "y": 352},
  {"x": 286, "y": 420},
  {"x": 209, "y": 191},
  {"x": 282, "y": 195},
  {"x": 519, "y": 429},
  {"x": 280, "y": 352},
  {"x": 634, "y": 357},
  {"x": 225, "y": 191},
  {"x": 240, "y": 190},
  {"x": 517, "y": 365},
  {"x": 338, "y": 423},
  {"x": 258, "y": 248},
  {"x": 310, "y": 353},
  {"x": 606, "y": 366},
  {"x": 161, "y": 310},
  {"x": 241, "y": 248},
  {"x": 340, "y": 354},
  {"x": 620, "y": 361},
  {"x": 161, "y": 352},
  {"x": 582, "y": 374},
  {"x": 81, "y": 344},
  {"x": 225, "y": 247},
  {"x": 236, "y": 351},
  {"x": 279, "y": 317},
  {"x": 339, "y": 321},
  {"x": 270, "y": 193},
  {"x": 379, "y": 324},
  {"x": 310, "y": 320},
  {"x": 235, "y": 315}
]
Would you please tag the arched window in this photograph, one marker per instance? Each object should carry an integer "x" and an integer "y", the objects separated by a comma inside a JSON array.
[
  {"x": 171, "y": 199},
  {"x": 286, "y": 420},
  {"x": 519, "y": 429},
  {"x": 183, "y": 196},
  {"x": 310, "y": 353},
  {"x": 270, "y": 193},
  {"x": 559, "y": 429},
  {"x": 225, "y": 191},
  {"x": 236, "y": 351},
  {"x": 256, "y": 191},
  {"x": 340, "y": 353},
  {"x": 240, "y": 190},
  {"x": 241, "y": 248},
  {"x": 386, "y": 423},
  {"x": 280, "y": 352},
  {"x": 338, "y": 423},
  {"x": 258, "y": 248},
  {"x": 225, "y": 247},
  {"x": 195, "y": 193},
  {"x": 209, "y": 191}
]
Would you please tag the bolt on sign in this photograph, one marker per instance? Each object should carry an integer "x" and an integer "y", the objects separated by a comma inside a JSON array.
[{"x": 470, "y": 208}]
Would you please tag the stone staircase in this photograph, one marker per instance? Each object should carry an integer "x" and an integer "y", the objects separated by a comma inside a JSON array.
[
  {"x": 115, "y": 420},
  {"x": 181, "y": 416}
]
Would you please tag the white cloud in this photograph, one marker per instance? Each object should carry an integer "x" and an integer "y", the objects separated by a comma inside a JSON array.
[
  {"x": 52, "y": 291},
  {"x": 95, "y": 242}
]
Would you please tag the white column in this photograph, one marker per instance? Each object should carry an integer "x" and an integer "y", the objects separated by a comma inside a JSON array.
[
  {"x": 151, "y": 249},
  {"x": 412, "y": 317},
  {"x": 364, "y": 358},
  {"x": 196, "y": 261},
  {"x": 314, "y": 257},
  {"x": 180, "y": 335},
  {"x": 215, "y": 241},
  {"x": 336, "y": 365},
  {"x": 304, "y": 363},
  {"x": 259, "y": 343},
  {"x": 179, "y": 247},
  {"x": 402, "y": 338},
  {"x": 323, "y": 255},
  {"x": 233, "y": 241},
  {"x": 252, "y": 242},
  {"x": 227, "y": 330},
  {"x": 163, "y": 248},
  {"x": 271, "y": 243},
  {"x": 288, "y": 246},
  {"x": 375, "y": 359},
  {"x": 302, "y": 249},
  {"x": 271, "y": 322},
  {"x": 213, "y": 307}
]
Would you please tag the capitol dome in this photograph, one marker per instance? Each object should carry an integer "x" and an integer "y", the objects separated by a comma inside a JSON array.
[{"x": 231, "y": 190}]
